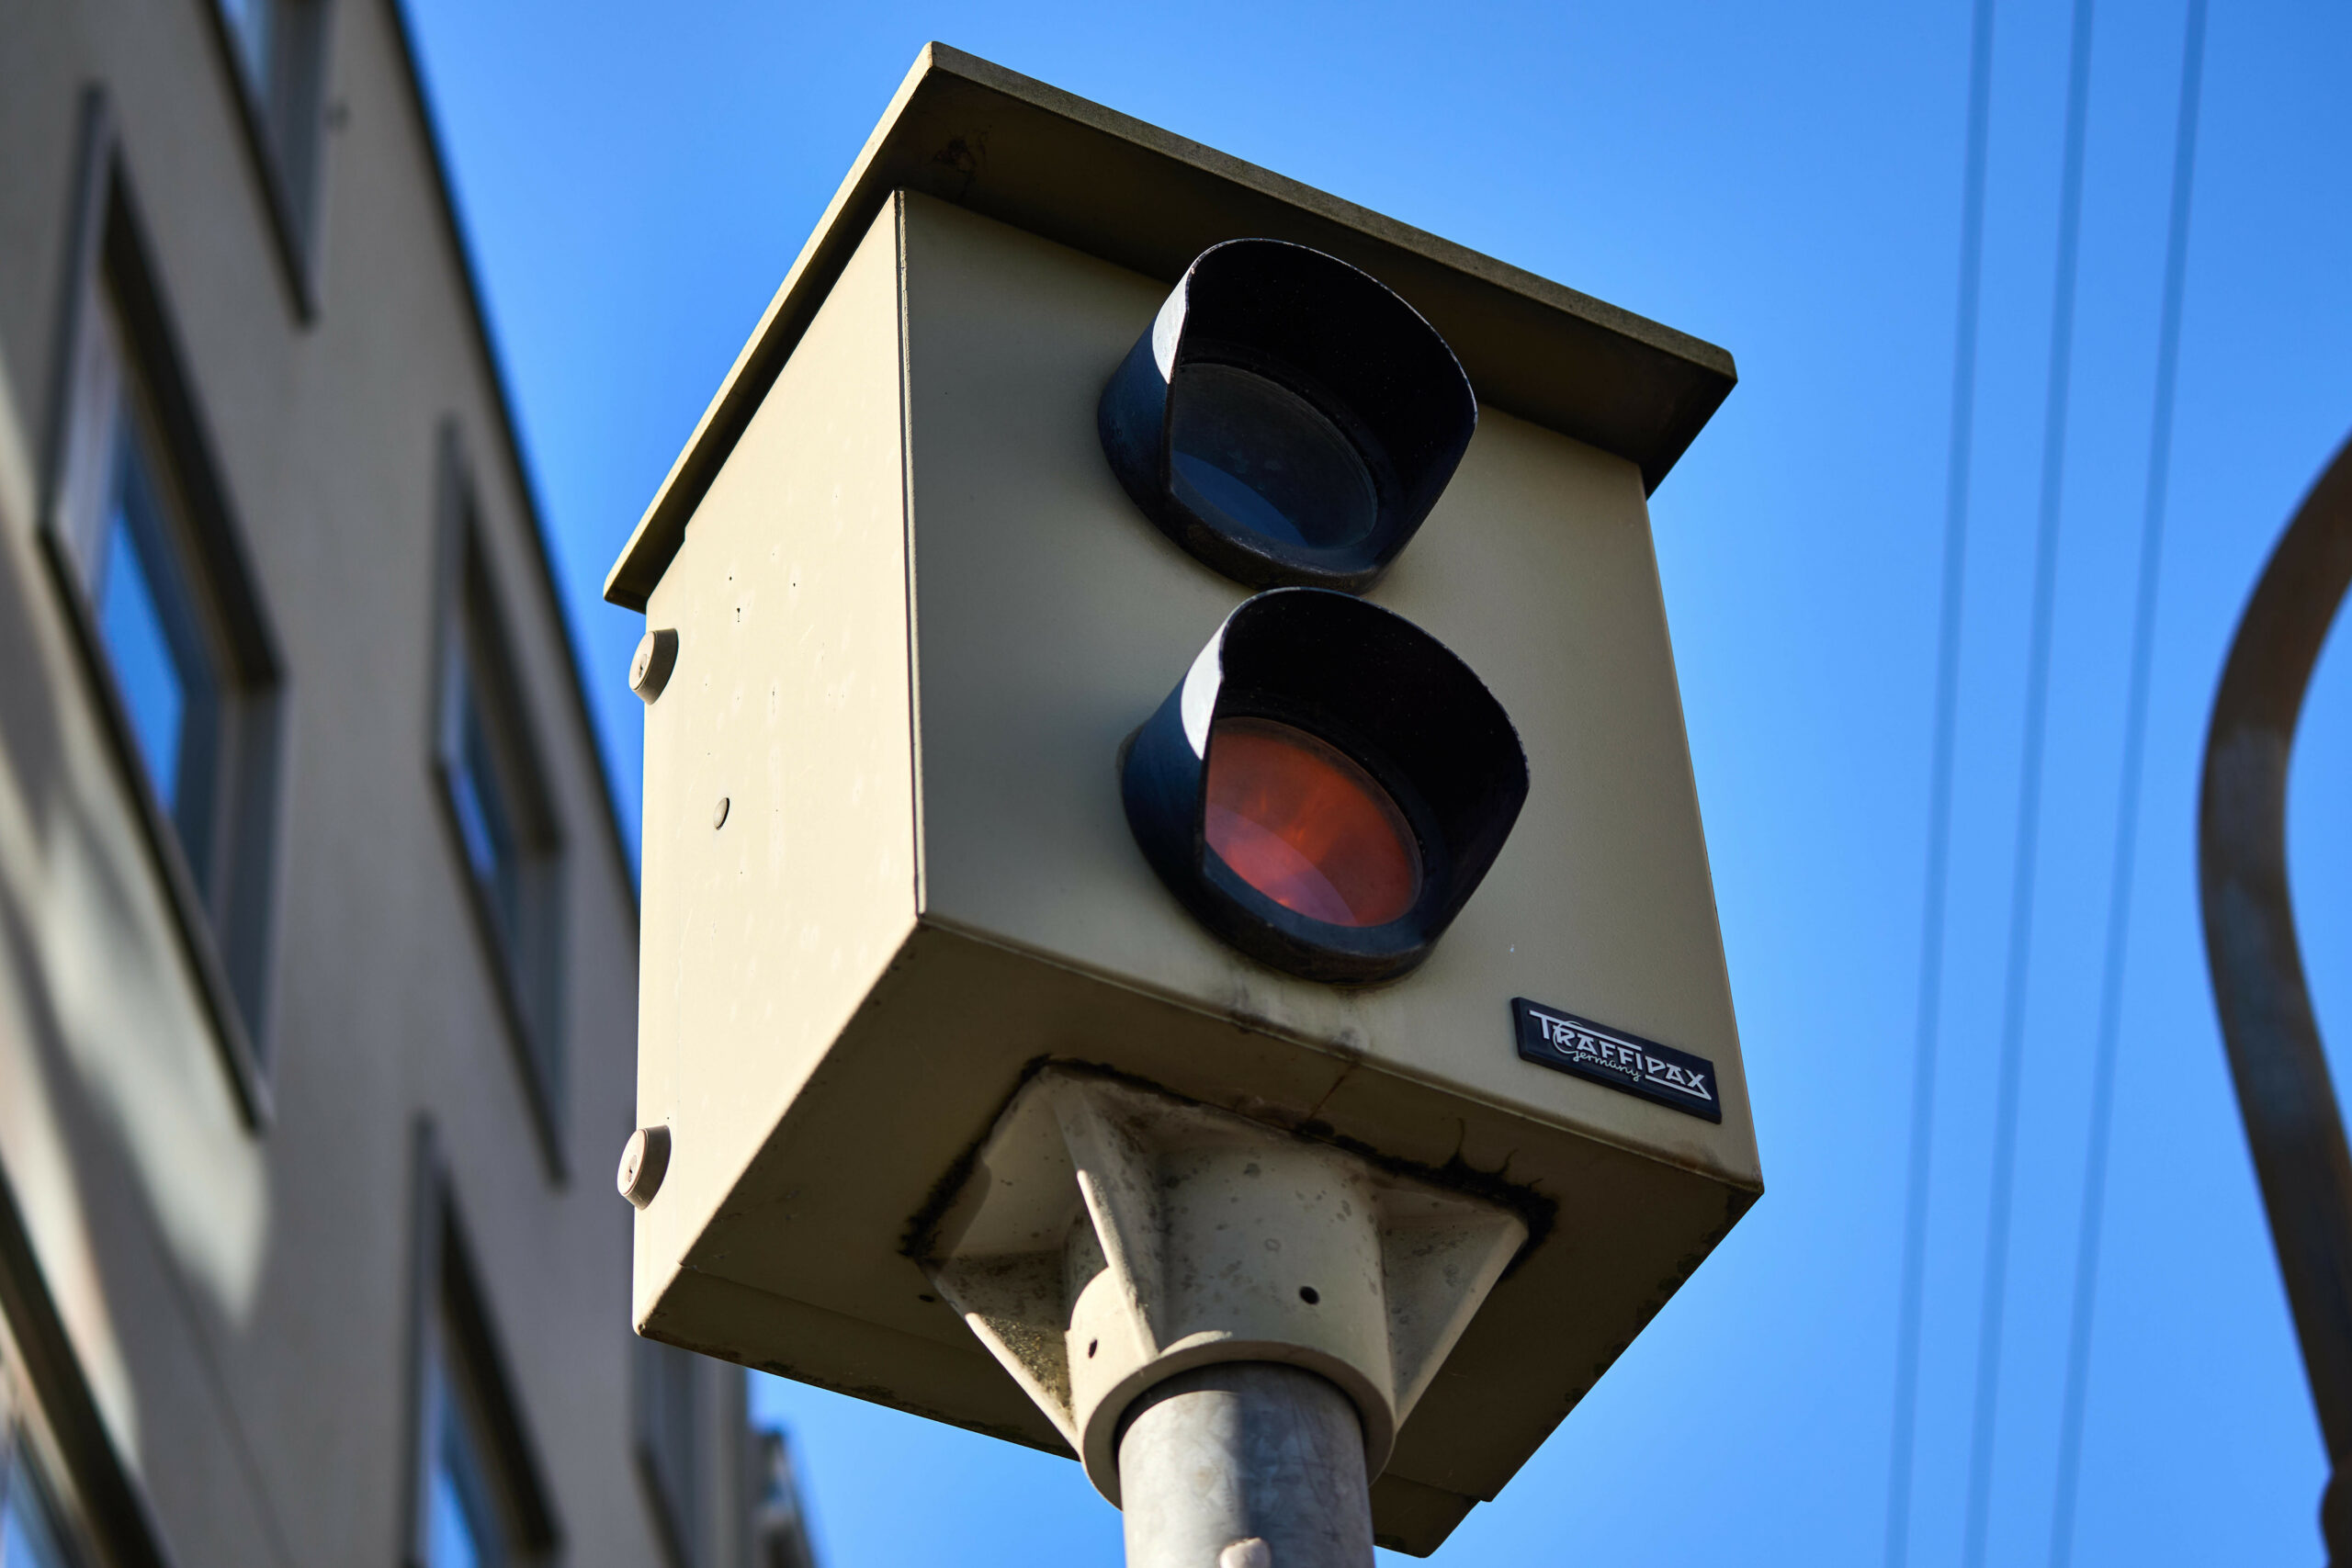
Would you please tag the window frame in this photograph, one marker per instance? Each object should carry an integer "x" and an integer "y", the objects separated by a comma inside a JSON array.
[
  {"x": 471, "y": 639},
  {"x": 23, "y": 1465},
  {"x": 224, "y": 911},
  {"x": 46, "y": 1402},
  {"x": 704, "y": 1468},
  {"x": 452, "y": 1336},
  {"x": 293, "y": 107},
  {"x": 781, "y": 1536},
  {"x": 671, "y": 1425}
]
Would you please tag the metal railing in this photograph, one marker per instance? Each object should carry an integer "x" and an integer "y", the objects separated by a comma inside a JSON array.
[{"x": 2292, "y": 1119}]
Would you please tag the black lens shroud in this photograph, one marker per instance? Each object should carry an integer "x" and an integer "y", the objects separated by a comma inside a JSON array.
[
  {"x": 1328, "y": 335},
  {"x": 1389, "y": 695}
]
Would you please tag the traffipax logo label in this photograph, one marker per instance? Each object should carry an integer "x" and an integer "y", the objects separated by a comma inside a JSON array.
[{"x": 1567, "y": 1043}]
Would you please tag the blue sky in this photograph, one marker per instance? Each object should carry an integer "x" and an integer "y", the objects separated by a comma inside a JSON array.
[{"x": 1784, "y": 181}]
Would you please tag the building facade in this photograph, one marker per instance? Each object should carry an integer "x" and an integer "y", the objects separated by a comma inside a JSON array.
[{"x": 317, "y": 936}]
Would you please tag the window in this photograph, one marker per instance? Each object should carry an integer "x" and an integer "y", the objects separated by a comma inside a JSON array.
[
  {"x": 672, "y": 1438},
  {"x": 29, "y": 1533},
  {"x": 67, "y": 1500},
  {"x": 277, "y": 50},
  {"x": 469, "y": 1518},
  {"x": 478, "y": 1500},
  {"x": 721, "y": 1490},
  {"x": 126, "y": 522},
  {"x": 495, "y": 791},
  {"x": 183, "y": 661},
  {"x": 780, "y": 1536}
]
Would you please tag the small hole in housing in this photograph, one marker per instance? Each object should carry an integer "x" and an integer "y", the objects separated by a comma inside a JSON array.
[
  {"x": 1092, "y": 1346},
  {"x": 927, "y": 1300},
  {"x": 1307, "y": 1294}
]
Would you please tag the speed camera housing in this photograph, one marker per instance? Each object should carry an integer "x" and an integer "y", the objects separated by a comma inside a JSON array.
[{"x": 917, "y": 617}]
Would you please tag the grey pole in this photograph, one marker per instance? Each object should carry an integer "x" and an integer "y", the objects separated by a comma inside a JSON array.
[{"x": 1246, "y": 1464}]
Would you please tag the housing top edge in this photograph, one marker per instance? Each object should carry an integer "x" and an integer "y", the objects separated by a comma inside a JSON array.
[{"x": 970, "y": 132}]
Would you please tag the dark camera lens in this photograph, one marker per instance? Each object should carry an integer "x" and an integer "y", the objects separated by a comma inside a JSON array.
[
  {"x": 1285, "y": 418},
  {"x": 1267, "y": 460}
]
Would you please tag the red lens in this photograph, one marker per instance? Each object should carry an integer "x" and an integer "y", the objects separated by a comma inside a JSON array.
[{"x": 1306, "y": 827}]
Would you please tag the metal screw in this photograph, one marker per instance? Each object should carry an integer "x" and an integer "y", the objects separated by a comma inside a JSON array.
[
  {"x": 645, "y": 1160},
  {"x": 719, "y": 813}
]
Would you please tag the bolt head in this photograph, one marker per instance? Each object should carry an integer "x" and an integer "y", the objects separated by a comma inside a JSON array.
[
  {"x": 645, "y": 1159},
  {"x": 650, "y": 666}
]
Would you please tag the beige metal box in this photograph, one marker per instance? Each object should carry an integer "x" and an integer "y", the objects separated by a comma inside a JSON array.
[{"x": 886, "y": 872}]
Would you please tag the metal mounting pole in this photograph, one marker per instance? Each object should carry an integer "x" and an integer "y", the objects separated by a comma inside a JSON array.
[
  {"x": 1226, "y": 1321},
  {"x": 1245, "y": 1464}
]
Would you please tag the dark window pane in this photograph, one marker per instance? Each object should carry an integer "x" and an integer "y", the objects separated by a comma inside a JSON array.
[
  {"x": 27, "y": 1536},
  {"x": 183, "y": 667},
  {"x": 131, "y": 621},
  {"x": 779, "y": 1520},
  {"x": 485, "y": 815},
  {"x": 451, "y": 1541},
  {"x": 669, "y": 1439},
  {"x": 144, "y": 616},
  {"x": 250, "y": 24},
  {"x": 506, "y": 833},
  {"x": 461, "y": 1520}
]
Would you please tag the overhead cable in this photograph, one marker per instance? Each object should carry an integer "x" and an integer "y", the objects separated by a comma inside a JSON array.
[
  {"x": 2127, "y": 808},
  {"x": 1931, "y": 922},
  {"x": 1992, "y": 1307}
]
